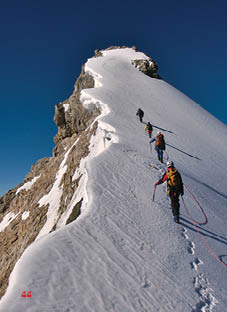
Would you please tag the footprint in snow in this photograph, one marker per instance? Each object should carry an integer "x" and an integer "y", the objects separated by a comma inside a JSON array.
[
  {"x": 184, "y": 231},
  {"x": 195, "y": 264},
  {"x": 207, "y": 301},
  {"x": 191, "y": 245},
  {"x": 191, "y": 248}
]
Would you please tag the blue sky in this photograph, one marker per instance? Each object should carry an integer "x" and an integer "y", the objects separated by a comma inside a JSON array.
[{"x": 44, "y": 44}]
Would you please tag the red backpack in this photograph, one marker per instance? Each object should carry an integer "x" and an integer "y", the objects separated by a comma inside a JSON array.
[{"x": 160, "y": 141}]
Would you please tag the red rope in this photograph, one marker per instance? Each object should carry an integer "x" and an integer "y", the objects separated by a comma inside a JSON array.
[
  {"x": 203, "y": 239},
  {"x": 201, "y": 209}
]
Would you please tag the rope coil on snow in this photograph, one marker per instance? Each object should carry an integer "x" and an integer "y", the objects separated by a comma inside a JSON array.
[
  {"x": 201, "y": 236},
  {"x": 201, "y": 209}
]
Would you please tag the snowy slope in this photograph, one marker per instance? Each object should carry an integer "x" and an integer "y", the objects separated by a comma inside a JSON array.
[{"x": 125, "y": 253}]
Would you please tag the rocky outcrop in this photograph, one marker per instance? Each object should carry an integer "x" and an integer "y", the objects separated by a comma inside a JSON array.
[
  {"x": 148, "y": 67},
  {"x": 75, "y": 212},
  {"x": 78, "y": 152},
  {"x": 5, "y": 201},
  {"x": 70, "y": 116}
]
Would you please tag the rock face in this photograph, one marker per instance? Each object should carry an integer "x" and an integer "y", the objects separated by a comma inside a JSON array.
[
  {"x": 22, "y": 212},
  {"x": 70, "y": 116},
  {"x": 148, "y": 67}
]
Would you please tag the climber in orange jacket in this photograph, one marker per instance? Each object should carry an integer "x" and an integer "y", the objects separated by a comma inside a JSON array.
[{"x": 160, "y": 145}]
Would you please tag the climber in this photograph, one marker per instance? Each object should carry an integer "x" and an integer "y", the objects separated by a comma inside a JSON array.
[
  {"x": 148, "y": 129},
  {"x": 175, "y": 188},
  {"x": 140, "y": 113},
  {"x": 160, "y": 145}
]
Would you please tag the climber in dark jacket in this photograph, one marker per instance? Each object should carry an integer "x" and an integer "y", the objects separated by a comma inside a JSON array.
[
  {"x": 148, "y": 129},
  {"x": 175, "y": 188},
  {"x": 140, "y": 113}
]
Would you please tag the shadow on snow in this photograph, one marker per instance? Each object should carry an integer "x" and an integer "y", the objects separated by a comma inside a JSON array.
[
  {"x": 162, "y": 129},
  {"x": 206, "y": 185},
  {"x": 183, "y": 151},
  {"x": 202, "y": 231}
]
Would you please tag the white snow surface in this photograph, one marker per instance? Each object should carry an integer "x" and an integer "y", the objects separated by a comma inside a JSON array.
[
  {"x": 124, "y": 253},
  {"x": 25, "y": 215},
  {"x": 66, "y": 107}
]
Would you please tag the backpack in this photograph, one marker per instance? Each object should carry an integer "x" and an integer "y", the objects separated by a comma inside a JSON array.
[
  {"x": 149, "y": 127},
  {"x": 174, "y": 179},
  {"x": 160, "y": 141}
]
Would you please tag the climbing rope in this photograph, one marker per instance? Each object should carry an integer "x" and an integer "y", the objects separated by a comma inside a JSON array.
[
  {"x": 201, "y": 209},
  {"x": 201, "y": 236}
]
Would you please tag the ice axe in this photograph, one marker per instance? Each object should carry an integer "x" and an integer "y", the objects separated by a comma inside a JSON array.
[{"x": 154, "y": 193}]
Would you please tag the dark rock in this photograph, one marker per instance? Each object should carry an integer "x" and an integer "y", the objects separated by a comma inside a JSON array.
[
  {"x": 98, "y": 53},
  {"x": 148, "y": 67},
  {"x": 59, "y": 116},
  {"x": 76, "y": 118},
  {"x": 75, "y": 212}
]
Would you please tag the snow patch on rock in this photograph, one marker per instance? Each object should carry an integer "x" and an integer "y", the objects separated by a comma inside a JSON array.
[
  {"x": 27, "y": 185},
  {"x": 9, "y": 217}
]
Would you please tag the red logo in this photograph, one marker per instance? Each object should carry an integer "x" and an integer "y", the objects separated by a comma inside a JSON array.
[{"x": 26, "y": 295}]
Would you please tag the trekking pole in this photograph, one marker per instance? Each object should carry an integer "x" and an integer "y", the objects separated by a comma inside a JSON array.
[{"x": 154, "y": 193}]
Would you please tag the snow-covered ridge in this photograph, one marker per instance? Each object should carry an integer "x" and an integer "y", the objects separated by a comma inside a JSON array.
[
  {"x": 124, "y": 253},
  {"x": 104, "y": 137}
]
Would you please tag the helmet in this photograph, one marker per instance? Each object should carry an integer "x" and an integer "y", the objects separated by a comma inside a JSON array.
[
  {"x": 158, "y": 132},
  {"x": 170, "y": 164}
]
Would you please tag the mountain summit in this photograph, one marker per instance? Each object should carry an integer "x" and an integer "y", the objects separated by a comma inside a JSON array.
[{"x": 81, "y": 233}]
